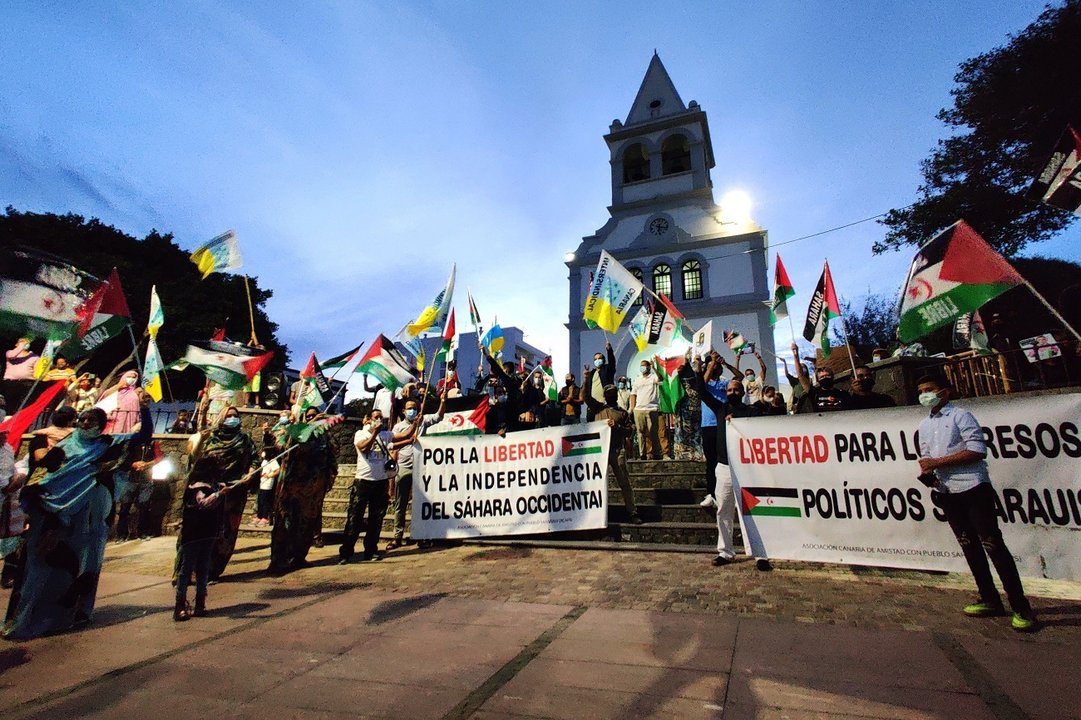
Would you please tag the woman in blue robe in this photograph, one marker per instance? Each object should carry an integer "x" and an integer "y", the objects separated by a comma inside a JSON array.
[{"x": 69, "y": 508}]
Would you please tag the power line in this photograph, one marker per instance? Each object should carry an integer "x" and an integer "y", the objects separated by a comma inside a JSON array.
[{"x": 813, "y": 235}]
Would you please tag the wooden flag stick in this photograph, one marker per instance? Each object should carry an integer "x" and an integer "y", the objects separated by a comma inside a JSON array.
[{"x": 251, "y": 312}]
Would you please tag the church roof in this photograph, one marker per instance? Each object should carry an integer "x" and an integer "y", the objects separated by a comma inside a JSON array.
[{"x": 657, "y": 97}]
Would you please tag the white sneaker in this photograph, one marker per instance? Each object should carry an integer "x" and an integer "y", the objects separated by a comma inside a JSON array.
[{"x": 709, "y": 502}]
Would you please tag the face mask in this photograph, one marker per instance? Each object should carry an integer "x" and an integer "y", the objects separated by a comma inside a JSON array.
[
  {"x": 89, "y": 433},
  {"x": 598, "y": 362},
  {"x": 537, "y": 382},
  {"x": 410, "y": 414},
  {"x": 876, "y": 358},
  {"x": 866, "y": 383},
  {"x": 283, "y": 420},
  {"x": 768, "y": 399},
  {"x": 929, "y": 399},
  {"x": 750, "y": 377},
  {"x": 570, "y": 381},
  {"x": 129, "y": 381},
  {"x": 825, "y": 383},
  {"x": 645, "y": 369},
  {"x": 232, "y": 423}
]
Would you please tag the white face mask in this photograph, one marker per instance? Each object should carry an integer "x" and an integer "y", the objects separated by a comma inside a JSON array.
[
  {"x": 929, "y": 399},
  {"x": 129, "y": 380},
  {"x": 645, "y": 369}
]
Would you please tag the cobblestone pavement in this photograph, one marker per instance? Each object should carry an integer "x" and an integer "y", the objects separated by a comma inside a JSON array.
[{"x": 486, "y": 632}]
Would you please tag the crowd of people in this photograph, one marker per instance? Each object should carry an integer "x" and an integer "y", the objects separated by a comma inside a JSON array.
[{"x": 85, "y": 474}]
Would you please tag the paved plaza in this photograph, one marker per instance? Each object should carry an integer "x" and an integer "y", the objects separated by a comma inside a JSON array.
[{"x": 486, "y": 632}]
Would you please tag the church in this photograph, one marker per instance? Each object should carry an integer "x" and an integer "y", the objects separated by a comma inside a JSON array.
[{"x": 666, "y": 229}]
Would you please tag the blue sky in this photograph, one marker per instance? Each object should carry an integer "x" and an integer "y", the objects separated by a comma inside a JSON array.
[{"x": 361, "y": 148}]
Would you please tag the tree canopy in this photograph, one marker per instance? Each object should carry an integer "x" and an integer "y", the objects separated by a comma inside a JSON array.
[
  {"x": 1010, "y": 105},
  {"x": 193, "y": 308}
]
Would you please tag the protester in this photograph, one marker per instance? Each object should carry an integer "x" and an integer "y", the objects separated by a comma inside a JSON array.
[
  {"x": 862, "y": 397},
  {"x": 623, "y": 393},
  {"x": 569, "y": 402},
  {"x": 507, "y": 378},
  {"x": 19, "y": 372},
  {"x": 216, "y": 398},
  {"x": 69, "y": 510},
  {"x": 134, "y": 494},
  {"x": 821, "y": 396},
  {"x": 308, "y": 469},
  {"x": 370, "y": 491},
  {"x": 534, "y": 400},
  {"x": 952, "y": 452},
  {"x": 752, "y": 384},
  {"x": 619, "y": 421},
  {"x": 83, "y": 394},
  {"x": 268, "y": 475},
  {"x": 124, "y": 412},
  {"x": 496, "y": 421},
  {"x": 711, "y": 383},
  {"x": 644, "y": 400},
  {"x": 603, "y": 373},
  {"x": 767, "y": 404},
  {"x": 406, "y": 433},
  {"x": 450, "y": 383},
  {"x": 200, "y": 531},
  {"x": 878, "y": 355},
  {"x": 183, "y": 424},
  {"x": 732, "y": 406},
  {"x": 12, "y": 517},
  {"x": 383, "y": 400},
  {"x": 225, "y": 454},
  {"x": 60, "y": 370}
]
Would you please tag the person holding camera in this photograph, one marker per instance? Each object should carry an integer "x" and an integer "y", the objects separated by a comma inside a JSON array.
[
  {"x": 952, "y": 452},
  {"x": 370, "y": 493}
]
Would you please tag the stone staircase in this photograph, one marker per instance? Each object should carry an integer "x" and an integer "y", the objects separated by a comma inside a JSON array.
[{"x": 666, "y": 492}]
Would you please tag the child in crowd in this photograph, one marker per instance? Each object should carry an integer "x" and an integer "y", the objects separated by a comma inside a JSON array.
[
  {"x": 265, "y": 501},
  {"x": 202, "y": 526}
]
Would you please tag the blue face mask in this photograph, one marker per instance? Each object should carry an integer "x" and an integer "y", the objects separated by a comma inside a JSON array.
[
  {"x": 231, "y": 422},
  {"x": 598, "y": 362},
  {"x": 410, "y": 414}
]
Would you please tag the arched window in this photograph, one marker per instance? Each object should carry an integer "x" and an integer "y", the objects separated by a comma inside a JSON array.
[
  {"x": 692, "y": 280},
  {"x": 662, "y": 280},
  {"x": 637, "y": 276},
  {"x": 635, "y": 163},
  {"x": 675, "y": 155}
]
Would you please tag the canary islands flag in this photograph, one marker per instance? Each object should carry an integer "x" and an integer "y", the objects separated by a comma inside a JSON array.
[
  {"x": 436, "y": 313},
  {"x": 220, "y": 254},
  {"x": 611, "y": 294}
]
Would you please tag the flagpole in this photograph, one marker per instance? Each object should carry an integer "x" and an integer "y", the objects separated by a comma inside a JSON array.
[
  {"x": 135, "y": 348},
  {"x": 684, "y": 318},
  {"x": 344, "y": 383},
  {"x": 1053, "y": 311},
  {"x": 251, "y": 311}
]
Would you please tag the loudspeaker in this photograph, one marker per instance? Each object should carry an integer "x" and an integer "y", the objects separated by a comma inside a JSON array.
[{"x": 275, "y": 392}]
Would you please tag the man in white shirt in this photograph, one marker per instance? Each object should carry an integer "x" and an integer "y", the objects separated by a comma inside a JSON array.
[
  {"x": 370, "y": 490},
  {"x": 406, "y": 433},
  {"x": 644, "y": 400}
]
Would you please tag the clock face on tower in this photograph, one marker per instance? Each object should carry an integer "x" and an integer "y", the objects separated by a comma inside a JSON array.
[{"x": 658, "y": 226}]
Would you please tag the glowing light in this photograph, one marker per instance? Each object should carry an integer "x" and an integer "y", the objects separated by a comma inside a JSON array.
[
  {"x": 736, "y": 207},
  {"x": 163, "y": 469},
  {"x": 569, "y": 257}
]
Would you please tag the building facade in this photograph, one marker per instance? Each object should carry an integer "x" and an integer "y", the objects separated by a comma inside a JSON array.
[
  {"x": 666, "y": 228},
  {"x": 468, "y": 357}
]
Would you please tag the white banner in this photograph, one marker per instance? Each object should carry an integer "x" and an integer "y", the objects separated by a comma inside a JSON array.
[
  {"x": 841, "y": 487},
  {"x": 535, "y": 481}
]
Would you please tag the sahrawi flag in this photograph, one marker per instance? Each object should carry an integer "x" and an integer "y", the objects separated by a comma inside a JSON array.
[
  {"x": 336, "y": 363},
  {"x": 220, "y": 254},
  {"x": 302, "y": 432},
  {"x": 670, "y": 390},
  {"x": 770, "y": 502},
  {"x": 316, "y": 389},
  {"x": 104, "y": 317},
  {"x": 464, "y": 422},
  {"x": 39, "y": 295},
  {"x": 1059, "y": 183},
  {"x": 229, "y": 365},
  {"x": 611, "y": 294},
  {"x": 584, "y": 444},
  {"x": 954, "y": 273},
  {"x": 782, "y": 290},
  {"x": 551, "y": 390},
  {"x": 446, "y": 349},
  {"x": 436, "y": 313},
  {"x": 823, "y": 308},
  {"x": 383, "y": 362}
]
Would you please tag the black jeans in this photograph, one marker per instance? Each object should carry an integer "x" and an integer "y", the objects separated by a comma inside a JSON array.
[
  {"x": 709, "y": 449},
  {"x": 971, "y": 515},
  {"x": 365, "y": 496}
]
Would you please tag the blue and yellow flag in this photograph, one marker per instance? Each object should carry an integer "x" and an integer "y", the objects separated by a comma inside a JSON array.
[
  {"x": 152, "y": 370},
  {"x": 493, "y": 339},
  {"x": 157, "y": 315},
  {"x": 435, "y": 314},
  {"x": 611, "y": 294},
  {"x": 220, "y": 254}
]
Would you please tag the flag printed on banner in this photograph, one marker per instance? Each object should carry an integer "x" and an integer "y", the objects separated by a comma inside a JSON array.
[
  {"x": 584, "y": 444},
  {"x": 969, "y": 333},
  {"x": 228, "y": 365},
  {"x": 639, "y": 327},
  {"x": 157, "y": 315},
  {"x": 464, "y": 422},
  {"x": 336, "y": 363},
  {"x": 782, "y": 290},
  {"x": 435, "y": 314},
  {"x": 152, "y": 369},
  {"x": 954, "y": 273},
  {"x": 670, "y": 391},
  {"x": 1059, "y": 183},
  {"x": 383, "y": 362},
  {"x": 823, "y": 308},
  {"x": 611, "y": 294},
  {"x": 109, "y": 315},
  {"x": 770, "y": 502},
  {"x": 41, "y": 295},
  {"x": 493, "y": 339},
  {"x": 220, "y": 254},
  {"x": 665, "y": 323}
]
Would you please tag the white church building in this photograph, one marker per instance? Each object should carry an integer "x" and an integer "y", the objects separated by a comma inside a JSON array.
[{"x": 666, "y": 228}]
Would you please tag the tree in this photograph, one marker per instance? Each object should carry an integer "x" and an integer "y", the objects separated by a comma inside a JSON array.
[
  {"x": 1010, "y": 106},
  {"x": 193, "y": 308},
  {"x": 873, "y": 326}
]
